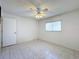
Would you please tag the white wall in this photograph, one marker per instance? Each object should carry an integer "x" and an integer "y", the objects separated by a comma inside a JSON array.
[
  {"x": 69, "y": 36},
  {"x": 26, "y": 28}
]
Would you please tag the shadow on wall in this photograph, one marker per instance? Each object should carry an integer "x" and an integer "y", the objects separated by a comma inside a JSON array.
[
  {"x": 0, "y": 14},
  {"x": 0, "y": 26},
  {"x": 0, "y": 11}
]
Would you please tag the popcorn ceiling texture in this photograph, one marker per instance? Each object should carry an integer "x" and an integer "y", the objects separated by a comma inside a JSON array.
[{"x": 37, "y": 49}]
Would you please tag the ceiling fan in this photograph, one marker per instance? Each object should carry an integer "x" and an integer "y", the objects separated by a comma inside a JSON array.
[
  {"x": 36, "y": 9},
  {"x": 39, "y": 13}
]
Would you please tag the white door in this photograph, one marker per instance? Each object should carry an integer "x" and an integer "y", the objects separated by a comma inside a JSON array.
[{"x": 9, "y": 31}]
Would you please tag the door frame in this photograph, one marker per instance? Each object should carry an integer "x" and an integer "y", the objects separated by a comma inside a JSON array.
[{"x": 2, "y": 32}]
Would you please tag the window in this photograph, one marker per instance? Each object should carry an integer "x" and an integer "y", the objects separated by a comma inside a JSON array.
[{"x": 53, "y": 26}]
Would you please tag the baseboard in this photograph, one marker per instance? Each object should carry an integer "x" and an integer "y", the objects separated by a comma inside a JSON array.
[{"x": 58, "y": 45}]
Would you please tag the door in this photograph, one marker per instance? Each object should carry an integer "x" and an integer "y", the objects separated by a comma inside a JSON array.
[{"x": 9, "y": 31}]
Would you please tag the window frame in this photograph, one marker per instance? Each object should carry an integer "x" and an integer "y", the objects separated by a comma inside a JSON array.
[{"x": 51, "y": 22}]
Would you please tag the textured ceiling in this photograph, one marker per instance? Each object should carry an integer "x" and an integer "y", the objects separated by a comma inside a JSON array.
[{"x": 22, "y": 7}]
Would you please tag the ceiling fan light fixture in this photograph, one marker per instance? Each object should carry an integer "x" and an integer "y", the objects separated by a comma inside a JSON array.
[{"x": 40, "y": 15}]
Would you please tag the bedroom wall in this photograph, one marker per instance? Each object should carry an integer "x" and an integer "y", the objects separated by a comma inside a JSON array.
[
  {"x": 26, "y": 28},
  {"x": 69, "y": 33}
]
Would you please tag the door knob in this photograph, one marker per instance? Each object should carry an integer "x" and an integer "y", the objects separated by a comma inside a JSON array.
[{"x": 14, "y": 32}]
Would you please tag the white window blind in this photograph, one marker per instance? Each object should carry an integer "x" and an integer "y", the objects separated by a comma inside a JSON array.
[{"x": 53, "y": 26}]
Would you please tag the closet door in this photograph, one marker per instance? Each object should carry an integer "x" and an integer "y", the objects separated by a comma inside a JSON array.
[{"x": 9, "y": 31}]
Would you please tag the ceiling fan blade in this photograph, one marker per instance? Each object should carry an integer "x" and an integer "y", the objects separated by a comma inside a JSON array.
[
  {"x": 26, "y": 4},
  {"x": 36, "y": 3},
  {"x": 45, "y": 10},
  {"x": 32, "y": 3},
  {"x": 33, "y": 9}
]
